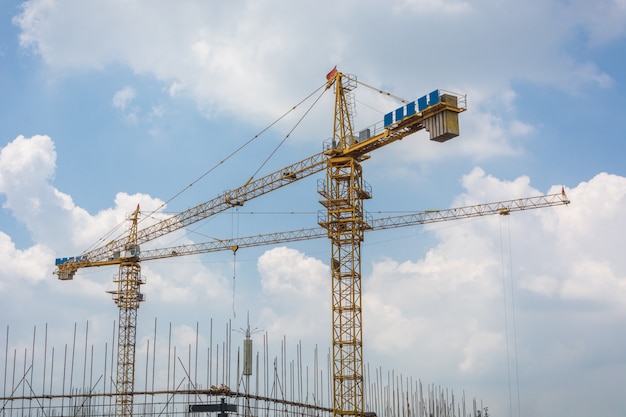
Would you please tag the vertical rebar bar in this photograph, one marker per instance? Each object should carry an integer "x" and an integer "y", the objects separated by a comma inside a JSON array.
[
  {"x": 64, "y": 372},
  {"x": 195, "y": 374},
  {"x": 145, "y": 395},
  {"x": 210, "y": 368},
  {"x": 154, "y": 347},
  {"x": 6, "y": 357},
  {"x": 45, "y": 357},
  {"x": 169, "y": 346},
  {"x": 73, "y": 355},
  {"x": 51, "y": 375},
  {"x": 85, "y": 354},
  {"x": 112, "y": 363}
]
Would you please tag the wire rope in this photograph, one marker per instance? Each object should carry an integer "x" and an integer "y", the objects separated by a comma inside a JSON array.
[
  {"x": 233, "y": 153},
  {"x": 289, "y": 133},
  {"x": 515, "y": 356},
  {"x": 513, "y": 318},
  {"x": 214, "y": 167},
  {"x": 106, "y": 236},
  {"x": 234, "y": 233},
  {"x": 386, "y": 93},
  {"x": 506, "y": 320}
]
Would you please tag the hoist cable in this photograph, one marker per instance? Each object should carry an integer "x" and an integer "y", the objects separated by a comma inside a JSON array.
[
  {"x": 513, "y": 319},
  {"x": 288, "y": 133},
  {"x": 234, "y": 234},
  {"x": 229, "y": 156},
  {"x": 233, "y": 153}
]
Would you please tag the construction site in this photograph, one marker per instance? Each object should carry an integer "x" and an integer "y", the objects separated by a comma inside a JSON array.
[
  {"x": 243, "y": 372},
  {"x": 77, "y": 379}
]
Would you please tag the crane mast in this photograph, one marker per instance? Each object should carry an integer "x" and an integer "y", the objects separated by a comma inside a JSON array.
[
  {"x": 127, "y": 298},
  {"x": 343, "y": 194}
]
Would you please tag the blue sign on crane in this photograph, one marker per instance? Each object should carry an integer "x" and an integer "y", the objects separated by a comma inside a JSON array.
[{"x": 409, "y": 109}]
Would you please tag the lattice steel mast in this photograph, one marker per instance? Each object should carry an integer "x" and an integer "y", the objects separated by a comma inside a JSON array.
[
  {"x": 127, "y": 298},
  {"x": 343, "y": 193}
]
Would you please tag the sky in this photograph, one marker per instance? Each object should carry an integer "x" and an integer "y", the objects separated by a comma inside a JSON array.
[{"x": 109, "y": 104}]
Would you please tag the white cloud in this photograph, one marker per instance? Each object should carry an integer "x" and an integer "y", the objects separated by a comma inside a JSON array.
[
  {"x": 185, "y": 281},
  {"x": 288, "y": 272},
  {"x": 248, "y": 59},
  {"x": 26, "y": 162},
  {"x": 602, "y": 22},
  {"x": 31, "y": 264},
  {"x": 295, "y": 288},
  {"x": 123, "y": 101},
  {"x": 480, "y": 349},
  {"x": 27, "y": 168},
  {"x": 434, "y": 6},
  {"x": 122, "y": 98},
  {"x": 547, "y": 274}
]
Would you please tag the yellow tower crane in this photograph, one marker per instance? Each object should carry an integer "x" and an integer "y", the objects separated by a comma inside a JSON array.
[
  {"x": 343, "y": 192},
  {"x": 127, "y": 297}
]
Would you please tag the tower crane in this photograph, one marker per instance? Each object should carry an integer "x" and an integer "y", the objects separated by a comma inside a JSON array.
[{"x": 344, "y": 223}]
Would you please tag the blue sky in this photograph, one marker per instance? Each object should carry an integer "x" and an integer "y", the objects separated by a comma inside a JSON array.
[{"x": 107, "y": 104}]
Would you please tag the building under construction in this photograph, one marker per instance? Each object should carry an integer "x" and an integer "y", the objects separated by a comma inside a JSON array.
[{"x": 231, "y": 376}]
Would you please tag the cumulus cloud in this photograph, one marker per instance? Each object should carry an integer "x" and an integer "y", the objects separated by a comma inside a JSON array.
[
  {"x": 122, "y": 98},
  {"x": 30, "y": 264},
  {"x": 295, "y": 288},
  {"x": 288, "y": 272},
  {"x": 123, "y": 101},
  {"x": 27, "y": 167},
  {"x": 60, "y": 228},
  {"x": 500, "y": 289},
  {"x": 461, "y": 304},
  {"x": 250, "y": 67},
  {"x": 602, "y": 22},
  {"x": 27, "y": 162}
]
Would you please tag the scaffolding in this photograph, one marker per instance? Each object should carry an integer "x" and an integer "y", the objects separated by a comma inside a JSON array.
[{"x": 78, "y": 379}]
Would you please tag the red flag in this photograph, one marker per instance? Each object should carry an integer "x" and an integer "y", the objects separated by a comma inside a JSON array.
[{"x": 332, "y": 73}]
